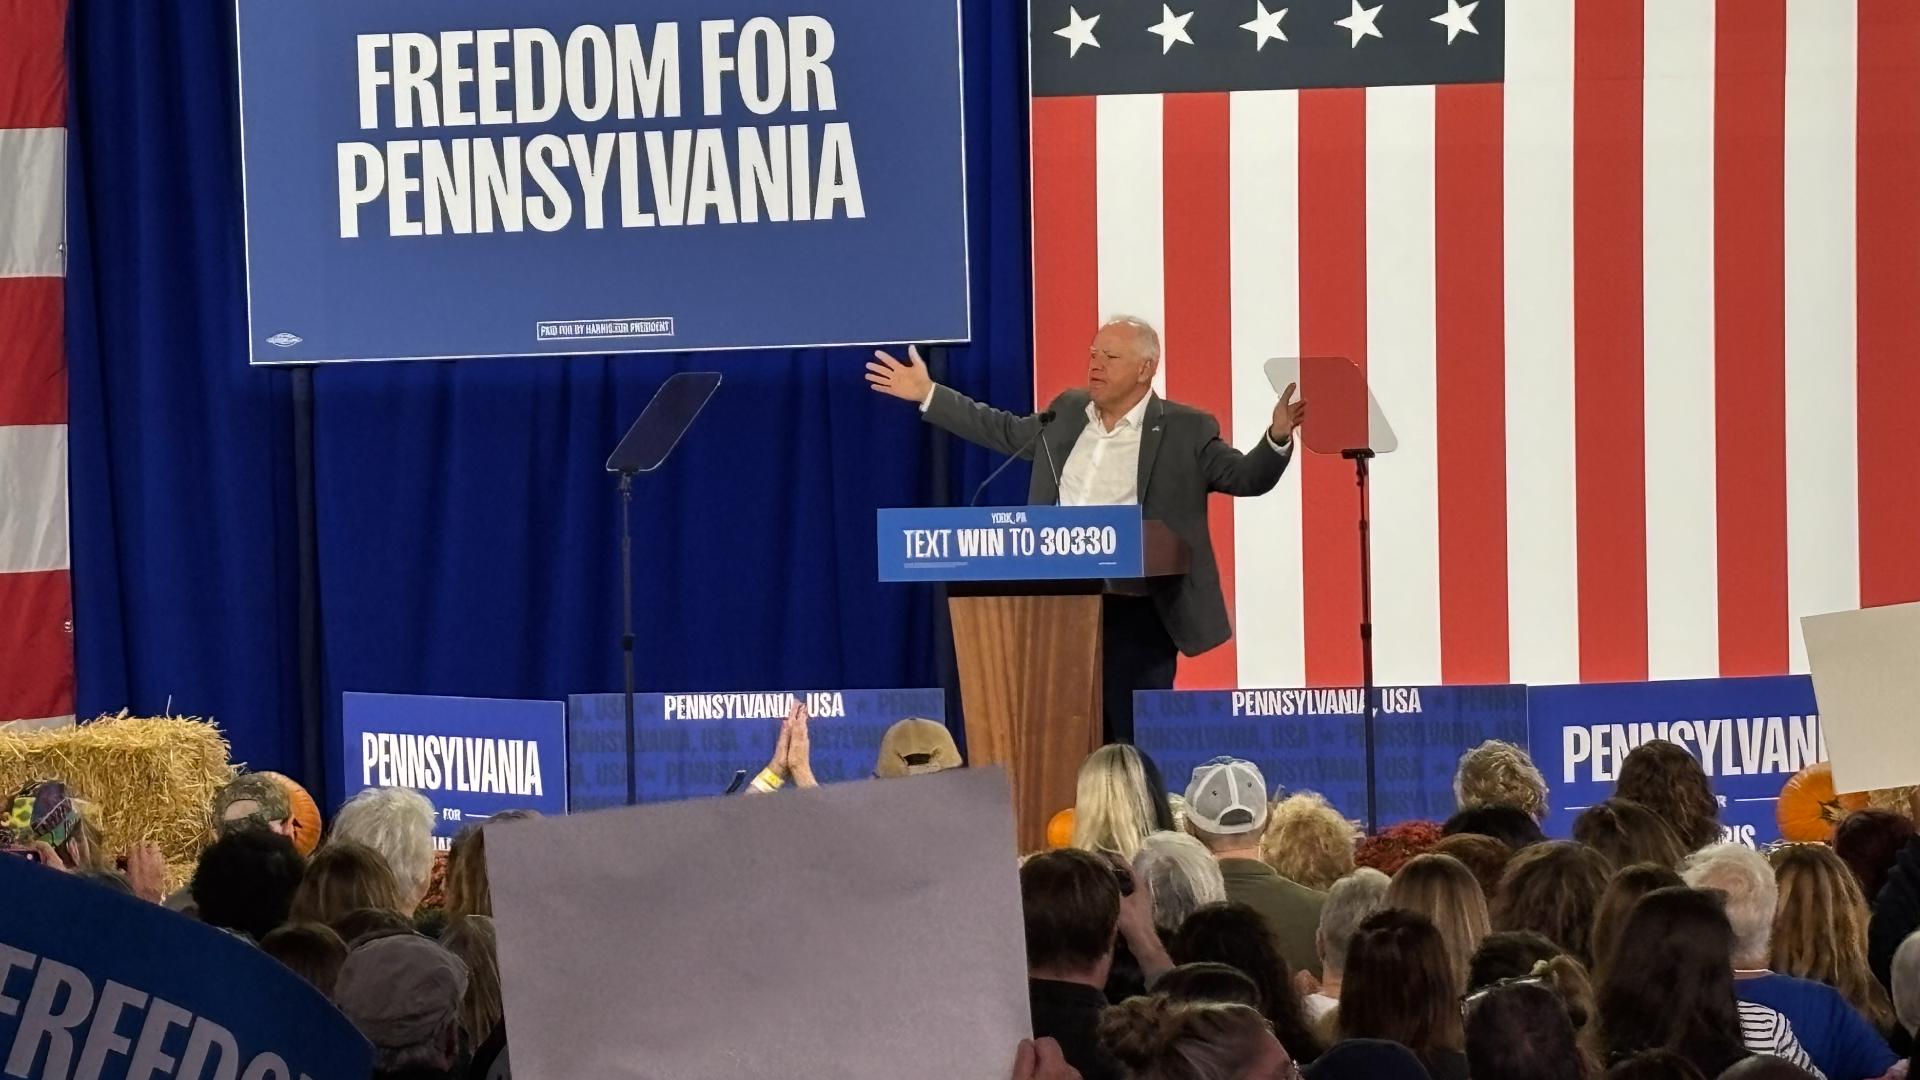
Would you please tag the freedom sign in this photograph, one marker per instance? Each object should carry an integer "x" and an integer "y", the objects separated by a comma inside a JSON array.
[
  {"x": 94, "y": 982},
  {"x": 471, "y": 757},
  {"x": 494, "y": 178}
]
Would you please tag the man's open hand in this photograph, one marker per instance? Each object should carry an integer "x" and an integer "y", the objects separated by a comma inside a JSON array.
[
  {"x": 908, "y": 381},
  {"x": 1287, "y": 414}
]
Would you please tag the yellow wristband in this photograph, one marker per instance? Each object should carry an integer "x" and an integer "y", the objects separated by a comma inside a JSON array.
[{"x": 768, "y": 780}]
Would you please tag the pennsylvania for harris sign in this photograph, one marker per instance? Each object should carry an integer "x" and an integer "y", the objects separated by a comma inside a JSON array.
[
  {"x": 497, "y": 178},
  {"x": 471, "y": 757}
]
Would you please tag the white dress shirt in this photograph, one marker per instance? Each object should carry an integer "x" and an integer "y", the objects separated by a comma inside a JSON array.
[{"x": 1103, "y": 469}]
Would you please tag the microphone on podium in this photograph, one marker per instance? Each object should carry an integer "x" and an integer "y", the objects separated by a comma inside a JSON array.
[{"x": 1045, "y": 418}]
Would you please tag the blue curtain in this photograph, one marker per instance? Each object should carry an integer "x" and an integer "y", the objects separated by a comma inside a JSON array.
[{"x": 462, "y": 537}]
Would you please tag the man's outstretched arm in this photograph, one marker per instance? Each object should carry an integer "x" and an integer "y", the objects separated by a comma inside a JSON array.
[{"x": 949, "y": 409}]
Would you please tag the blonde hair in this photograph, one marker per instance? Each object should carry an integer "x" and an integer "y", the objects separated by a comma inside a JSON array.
[
  {"x": 471, "y": 938},
  {"x": 1308, "y": 841},
  {"x": 466, "y": 882},
  {"x": 1497, "y": 773},
  {"x": 1157, "y": 1038},
  {"x": 1820, "y": 928},
  {"x": 1113, "y": 802},
  {"x": 1446, "y": 892},
  {"x": 344, "y": 877}
]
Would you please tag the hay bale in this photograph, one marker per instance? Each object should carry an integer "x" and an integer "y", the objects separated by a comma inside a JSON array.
[
  {"x": 1897, "y": 799},
  {"x": 143, "y": 779}
]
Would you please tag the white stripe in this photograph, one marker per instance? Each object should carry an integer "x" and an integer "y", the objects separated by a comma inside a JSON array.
[
  {"x": 38, "y": 723},
  {"x": 33, "y": 497},
  {"x": 1823, "y": 525},
  {"x": 1128, "y": 195},
  {"x": 1401, "y": 373},
  {"x": 1683, "y": 613},
  {"x": 1542, "y": 592},
  {"x": 32, "y": 212},
  {"x": 1264, "y": 207}
]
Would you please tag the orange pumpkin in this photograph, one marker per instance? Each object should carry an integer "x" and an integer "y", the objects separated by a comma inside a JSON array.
[
  {"x": 1060, "y": 829},
  {"x": 1810, "y": 808},
  {"x": 304, "y": 817}
]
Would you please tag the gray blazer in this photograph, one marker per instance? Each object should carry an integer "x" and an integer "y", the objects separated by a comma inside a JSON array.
[{"x": 1182, "y": 460}]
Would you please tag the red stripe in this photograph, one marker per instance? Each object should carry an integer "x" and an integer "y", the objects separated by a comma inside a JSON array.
[
  {"x": 1333, "y": 322},
  {"x": 33, "y": 63},
  {"x": 1066, "y": 277},
  {"x": 1608, "y": 378},
  {"x": 1470, "y": 383},
  {"x": 1198, "y": 335},
  {"x": 1750, "y": 375},
  {"x": 33, "y": 373},
  {"x": 36, "y": 645},
  {"x": 1888, "y": 294}
]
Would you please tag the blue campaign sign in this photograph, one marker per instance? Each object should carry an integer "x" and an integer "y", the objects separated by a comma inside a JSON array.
[
  {"x": 1312, "y": 740},
  {"x": 96, "y": 983},
  {"x": 1009, "y": 543},
  {"x": 689, "y": 745},
  {"x": 1750, "y": 735},
  {"x": 498, "y": 178},
  {"x": 472, "y": 757}
]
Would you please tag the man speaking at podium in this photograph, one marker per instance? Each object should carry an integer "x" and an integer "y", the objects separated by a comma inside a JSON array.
[{"x": 1117, "y": 442}]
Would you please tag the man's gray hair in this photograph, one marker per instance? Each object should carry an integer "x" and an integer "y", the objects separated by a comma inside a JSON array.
[
  {"x": 1149, "y": 337},
  {"x": 1348, "y": 903},
  {"x": 1743, "y": 876},
  {"x": 1906, "y": 982},
  {"x": 1181, "y": 874},
  {"x": 397, "y": 823}
]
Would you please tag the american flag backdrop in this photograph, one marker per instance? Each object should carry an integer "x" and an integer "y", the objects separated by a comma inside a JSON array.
[
  {"x": 1637, "y": 282},
  {"x": 36, "y": 608}
]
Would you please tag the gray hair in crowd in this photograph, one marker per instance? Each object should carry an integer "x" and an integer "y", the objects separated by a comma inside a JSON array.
[
  {"x": 1906, "y": 982},
  {"x": 1148, "y": 337},
  {"x": 397, "y": 823},
  {"x": 1348, "y": 903},
  {"x": 1743, "y": 876},
  {"x": 1181, "y": 874}
]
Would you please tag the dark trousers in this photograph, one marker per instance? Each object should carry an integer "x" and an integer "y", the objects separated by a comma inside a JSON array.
[{"x": 1137, "y": 654}]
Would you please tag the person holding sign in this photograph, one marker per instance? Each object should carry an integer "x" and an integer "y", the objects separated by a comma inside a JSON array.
[{"x": 1116, "y": 441}]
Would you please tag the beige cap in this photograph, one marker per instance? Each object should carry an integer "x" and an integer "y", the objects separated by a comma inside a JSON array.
[{"x": 916, "y": 745}]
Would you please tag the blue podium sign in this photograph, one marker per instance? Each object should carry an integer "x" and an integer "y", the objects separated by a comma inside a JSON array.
[
  {"x": 1311, "y": 740},
  {"x": 471, "y": 757},
  {"x": 690, "y": 745},
  {"x": 96, "y": 983},
  {"x": 1751, "y": 736},
  {"x": 1010, "y": 543},
  {"x": 499, "y": 178}
]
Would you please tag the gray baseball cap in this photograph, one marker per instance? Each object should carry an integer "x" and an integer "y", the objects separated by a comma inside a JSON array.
[
  {"x": 1227, "y": 797},
  {"x": 401, "y": 990}
]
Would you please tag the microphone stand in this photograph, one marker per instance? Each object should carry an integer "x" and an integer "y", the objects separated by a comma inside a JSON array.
[{"x": 1039, "y": 436}]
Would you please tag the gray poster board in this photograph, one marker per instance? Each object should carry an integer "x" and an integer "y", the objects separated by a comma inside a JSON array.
[{"x": 860, "y": 930}]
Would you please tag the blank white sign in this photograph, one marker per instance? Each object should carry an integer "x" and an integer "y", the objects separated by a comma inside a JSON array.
[
  {"x": 862, "y": 930},
  {"x": 1866, "y": 678}
]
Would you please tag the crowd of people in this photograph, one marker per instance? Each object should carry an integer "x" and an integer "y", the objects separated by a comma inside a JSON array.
[
  {"x": 1219, "y": 932},
  {"x": 1225, "y": 934}
]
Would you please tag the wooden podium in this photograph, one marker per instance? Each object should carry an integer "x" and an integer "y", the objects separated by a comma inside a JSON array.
[{"x": 1025, "y": 591}]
